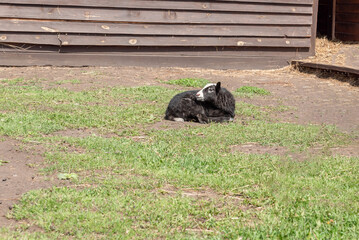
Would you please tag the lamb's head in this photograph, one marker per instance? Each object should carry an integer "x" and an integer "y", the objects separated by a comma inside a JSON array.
[{"x": 209, "y": 92}]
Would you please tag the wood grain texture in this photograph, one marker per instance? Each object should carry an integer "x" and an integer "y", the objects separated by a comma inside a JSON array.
[
  {"x": 76, "y": 40},
  {"x": 82, "y": 60},
  {"x": 149, "y": 16},
  {"x": 163, "y": 51},
  {"x": 179, "y": 5},
  {"x": 347, "y": 17},
  {"x": 241, "y": 34},
  {"x": 347, "y": 20},
  {"x": 206, "y": 5},
  {"x": 348, "y": 8},
  {"x": 37, "y": 26}
]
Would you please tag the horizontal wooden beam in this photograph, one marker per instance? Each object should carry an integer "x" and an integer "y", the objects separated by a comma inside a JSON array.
[
  {"x": 76, "y": 40},
  {"x": 181, "y": 5},
  {"x": 295, "y": 53},
  {"x": 184, "y": 5},
  {"x": 37, "y": 26},
  {"x": 327, "y": 67},
  {"x": 81, "y": 60},
  {"x": 150, "y": 16}
]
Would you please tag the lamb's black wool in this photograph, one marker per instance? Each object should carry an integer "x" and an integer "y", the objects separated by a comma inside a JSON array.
[{"x": 211, "y": 104}]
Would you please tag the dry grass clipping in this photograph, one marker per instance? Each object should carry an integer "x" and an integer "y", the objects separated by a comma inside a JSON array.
[
  {"x": 331, "y": 52},
  {"x": 328, "y": 52}
]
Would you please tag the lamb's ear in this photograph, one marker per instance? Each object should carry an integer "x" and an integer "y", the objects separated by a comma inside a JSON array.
[{"x": 218, "y": 87}]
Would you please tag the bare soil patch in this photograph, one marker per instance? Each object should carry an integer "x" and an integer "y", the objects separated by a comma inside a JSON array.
[
  {"x": 256, "y": 148},
  {"x": 18, "y": 175},
  {"x": 207, "y": 194},
  {"x": 165, "y": 125},
  {"x": 351, "y": 150}
]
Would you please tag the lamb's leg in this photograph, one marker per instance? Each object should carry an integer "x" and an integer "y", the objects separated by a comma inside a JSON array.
[
  {"x": 220, "y": 119},
  {"x": 202, "y": 118}
]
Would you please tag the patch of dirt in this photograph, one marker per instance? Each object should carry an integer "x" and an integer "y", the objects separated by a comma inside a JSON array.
[
  {"x": 207, "y": 194},
  {"x": 255, "y": 148},
  {"x": 18, "y": 175},
  {"x": 351, "y": 150},
  {"x": 166, "y": 125}
]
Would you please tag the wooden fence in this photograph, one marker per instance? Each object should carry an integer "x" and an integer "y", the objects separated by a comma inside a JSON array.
[
  {"x": 241, "y": 34},
  {"x": 347, "y": 20}
]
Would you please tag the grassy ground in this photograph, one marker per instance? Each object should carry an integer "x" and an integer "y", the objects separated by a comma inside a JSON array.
[{"x": 131, "y": 180}]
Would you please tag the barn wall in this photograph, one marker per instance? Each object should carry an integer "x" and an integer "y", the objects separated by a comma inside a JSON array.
[
  {"x": 240, "y": 34},
  {"x": 347, "y": 20}
]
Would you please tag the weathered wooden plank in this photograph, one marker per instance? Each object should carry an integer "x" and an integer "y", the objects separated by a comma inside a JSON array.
[
  {"x": 296, "y": 53},
  {"x": 149, "y": 16},
  {"x": 183, "y": 5},
  {"x": 348, "y": 8},
  {"x": 37, "y": 26},
  {"x": 184, "y": 41},
  {"x": 148, "y": 60},
  {"x": 347, "y": 37},
  {"x": 328, "y": 67},
  {"x": 352, "y": 28},
  {"x": 205, "y": 5},
  {"x": 314, "y": 27},
  {"x": 347, "y": 17},
  {"x": 76, "y": 40},
  {"x": 347, "y": 1}
]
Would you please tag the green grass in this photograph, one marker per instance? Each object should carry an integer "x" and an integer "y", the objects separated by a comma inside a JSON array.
[
  {"x": 177, "y": 183},
  {"x": 250, "y": 91},
  {"x": 32, "y": 110},
  {"x": 72, "y": 81},
  {"x": 189, "y": 82},
  {"x": 2, "y": 162}
]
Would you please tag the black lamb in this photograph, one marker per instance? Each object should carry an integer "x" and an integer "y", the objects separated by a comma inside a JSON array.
[{"x": 211, "y": 104}]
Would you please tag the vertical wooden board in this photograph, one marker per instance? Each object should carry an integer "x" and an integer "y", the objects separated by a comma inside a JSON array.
[
  {"x": 347, "y": 20},
  {"x": 348, "y": 8},
  {"x": 314, "y": 27},
  {"x": 347, "y": 17},
  {"x": 334, "y": 18},
  {"x": 347, "y": 37}
]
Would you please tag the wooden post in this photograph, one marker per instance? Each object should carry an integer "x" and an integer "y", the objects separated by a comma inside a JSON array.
[
  {"x": 333, "y": 18},
  {"x": 314, "y": 26}
]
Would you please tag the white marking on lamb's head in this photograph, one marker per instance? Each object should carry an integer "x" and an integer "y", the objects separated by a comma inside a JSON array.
[{"x": 200, "y": 94}]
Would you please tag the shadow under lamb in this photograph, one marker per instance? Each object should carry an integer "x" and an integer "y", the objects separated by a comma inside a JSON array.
[{"x": 211, "y": 104}]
